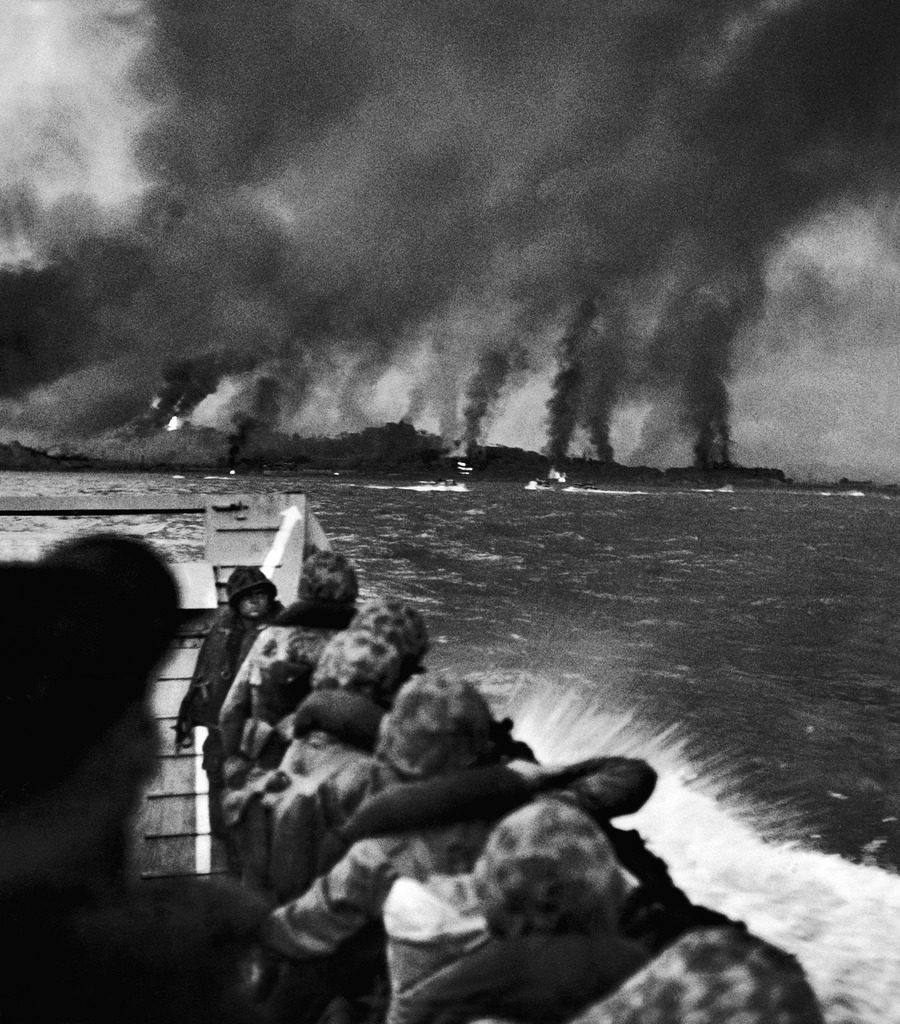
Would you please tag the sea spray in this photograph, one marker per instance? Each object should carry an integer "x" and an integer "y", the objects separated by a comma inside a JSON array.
[{"x": 840, "y": 919}]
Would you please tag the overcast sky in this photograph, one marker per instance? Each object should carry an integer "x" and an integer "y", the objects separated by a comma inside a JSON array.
[{"x": 328, "y": 214}]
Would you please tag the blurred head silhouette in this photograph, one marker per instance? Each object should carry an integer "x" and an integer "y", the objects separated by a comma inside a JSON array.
[{"x": 81, "y": 631}]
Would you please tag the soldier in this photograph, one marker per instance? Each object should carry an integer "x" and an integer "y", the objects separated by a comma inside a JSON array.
[
  {"x": 275, "y": 676},
  {"x": 355, "y": 682},
  {"x": 717, "y": 975},
  {"x": 543, "y": 939},
  {"x": 438, "y": 733},
  {"x": 435, "y": 726},
  {"x": 426, "y": 802},
  {"x": 401, "y": 625},
  {"x": 256, "y": 718},
  {"x": 83, "y": 942},
  {"x": 333, "y": 727},
  {"x": 252, "y": 606}
]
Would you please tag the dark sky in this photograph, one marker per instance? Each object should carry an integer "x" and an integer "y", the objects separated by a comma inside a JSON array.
[{"x": 330, "y": 214}]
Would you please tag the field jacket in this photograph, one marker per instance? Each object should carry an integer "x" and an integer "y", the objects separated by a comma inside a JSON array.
[
  {"x": 353, "y": 893},
  {"x": 280, "y": 820},
  {"x": 542, "y": 979},
  {"x": 223, "y": 650},
  {"x": 282, "y": 808},
  {"x": 272, "y": 681}
]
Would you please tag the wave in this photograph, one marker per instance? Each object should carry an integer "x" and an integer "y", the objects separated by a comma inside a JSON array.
[{"x": 840, "y": 919}]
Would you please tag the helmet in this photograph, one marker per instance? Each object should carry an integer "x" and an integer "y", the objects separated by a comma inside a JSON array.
[
  {"x": 108, "y": 610},
  {"x": 715, "y": 974},
  {"x": 436, "y": 725},
  {"x": 360, "y": 661},
  {"x": 547, "y": 868},
  {"x": 329, "y": 578},
  {"x": 398, "y": 622},
  {"x": 246, "y": 578}
]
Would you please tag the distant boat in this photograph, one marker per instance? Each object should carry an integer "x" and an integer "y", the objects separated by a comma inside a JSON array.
[
  {"x": 436, "y": 485},
  {"x": 456, "y": 486},
  {"x": 553, "y": 480}
]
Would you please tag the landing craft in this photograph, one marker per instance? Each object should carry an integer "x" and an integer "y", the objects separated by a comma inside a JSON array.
[
  {"x": 553, "y": 480},
  {"x": 823, "y": 909},
  {"x": 437, "y": 485}
]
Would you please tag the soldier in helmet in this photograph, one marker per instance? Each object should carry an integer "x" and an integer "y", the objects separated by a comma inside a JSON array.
[
  {"x": 542, "y": 937},
  {"x": 355, "y": 682},
  {"x": 275, "y": 676},
  {"x": 252, "y": 605},
  {"x": 73, "y": 767},
  {"x": 331, "y": 936},
  {"x": 714, "y": 975},
  {"x": 257, "y": 713},
  {"x": 401, "y": 625}
]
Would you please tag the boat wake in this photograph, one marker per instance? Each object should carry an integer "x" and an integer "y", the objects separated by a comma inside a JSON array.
[
  {"x": 840, "y": 919},
  {"x": 453, "y": 487},
  {"x": 600, "y": 490}
]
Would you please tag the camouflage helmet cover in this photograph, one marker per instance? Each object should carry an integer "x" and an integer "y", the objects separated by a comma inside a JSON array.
[
  {"x": 360, "y": 661},
  {"x": 711, "y": 975},
  {"x": 328, "y": 578},
  {"x": 547, "y": 868},
  {"x": 397, "y": 622},
  {"x": 436, "y": 725}
]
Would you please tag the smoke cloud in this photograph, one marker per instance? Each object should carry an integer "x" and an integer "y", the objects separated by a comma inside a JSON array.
[
  {"x": 291, "y": 200},
  {"x": 495, "y": 366},
  {"x": 568, "y": 384}
]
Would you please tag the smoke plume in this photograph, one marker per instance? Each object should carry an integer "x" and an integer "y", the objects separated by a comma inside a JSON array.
[
  {"x": 317, "y": 194},
  {"x": 568, "y": 384},
  {"x": 494, "y": 368}
]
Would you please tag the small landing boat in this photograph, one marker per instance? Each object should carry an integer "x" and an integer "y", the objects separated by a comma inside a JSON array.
[
  {"x": 435, "y": 485},
  {"x": 554, "y": 480}
]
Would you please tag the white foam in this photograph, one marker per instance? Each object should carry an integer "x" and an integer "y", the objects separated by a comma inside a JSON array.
[
  {"x": 455, "y": 488},
  {"x": 599, "y": 490},
  {"x": 433, "y": 487},
  {"x": 840, "y": 919}
]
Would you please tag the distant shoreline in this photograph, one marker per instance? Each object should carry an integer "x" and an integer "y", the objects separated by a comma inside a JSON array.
[
  {"x": 633, "y": 478},
  {"x": 418, "y": 463}
]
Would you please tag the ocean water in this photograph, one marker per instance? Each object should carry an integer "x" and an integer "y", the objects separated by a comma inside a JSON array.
[
  {"x": 746, "y": 643},
  {"x": 764, "y": 625}
]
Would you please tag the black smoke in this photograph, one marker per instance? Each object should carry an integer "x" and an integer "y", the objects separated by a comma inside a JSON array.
[
  {"x": 495, "y": 366},
  {"x": 569, "y": 383},
  {"x": 330, "y": 187},
  {"x": 689, "y": 362},
  {"x": 592, "y": 373},
  {"x": 186, "y": 382}
]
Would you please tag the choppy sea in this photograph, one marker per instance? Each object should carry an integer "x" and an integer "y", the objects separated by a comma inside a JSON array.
[{"x": 750, "y": 639}]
